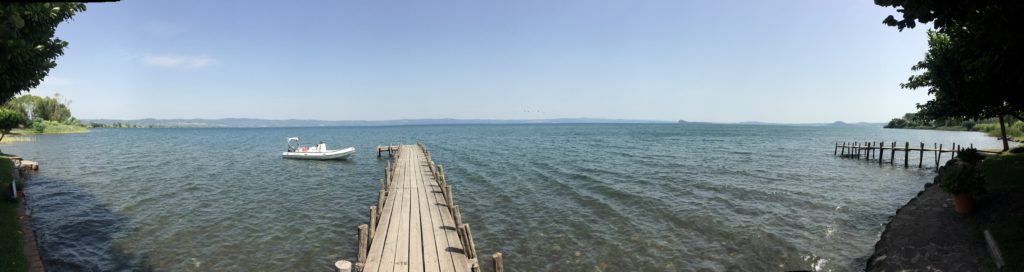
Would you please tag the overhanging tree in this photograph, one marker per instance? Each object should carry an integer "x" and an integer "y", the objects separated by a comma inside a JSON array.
[
  {"x": 28, "y": 49},
  {"x": 975, "y": 63}
]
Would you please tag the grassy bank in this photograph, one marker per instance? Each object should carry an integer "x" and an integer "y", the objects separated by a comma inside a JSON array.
[
  {"x": 1003, "y": 174},
  {"x": 1014, "y": 130},
  {"x": 10, "y": 233},
  {"x": 15, "y": 139},
  {"x": 50, "y": 127},
  {"x": 1014, "y": 127}
]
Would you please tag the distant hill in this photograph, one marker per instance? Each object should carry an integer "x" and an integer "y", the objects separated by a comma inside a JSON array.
[{"x": 251, "y": 122}]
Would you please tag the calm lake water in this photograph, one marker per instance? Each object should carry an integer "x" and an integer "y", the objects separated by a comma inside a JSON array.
[{"x": 550, "y": 197}]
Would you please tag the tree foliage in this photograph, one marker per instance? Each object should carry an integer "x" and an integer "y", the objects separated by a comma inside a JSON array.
[
  {"x": 9, "y": 120},
  {"x": 975, "y": 63},
  {"x": 33, "y": 108},
  {"x": 28, "y": 48}
]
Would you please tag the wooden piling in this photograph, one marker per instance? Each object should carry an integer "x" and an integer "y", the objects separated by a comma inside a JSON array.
[
  {"x": 867, "y": 152},
  {"x": 469, "y": 245},
  {"x": 448, "y": 197},
  {"x": 906, "y": 155},
  {"x": 938, "y": 156},
  {"x": 920, "y": 159},
  {"x": 881, "y": 152},
  {"x": 457, "y": 215},
  {"x": 362, "y": 247},
  {"x": 842, "y": 151},
  {"x": 496, "y": 260},
  {"x": 381, "y": 195},
  {"x": 892, "y": 154},
  {"x": 343, "y": 266},
  {"x": 373, "y": 221}
]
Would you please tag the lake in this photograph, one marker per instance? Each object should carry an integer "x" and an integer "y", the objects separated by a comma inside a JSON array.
[{"x": 587, "y": 197}]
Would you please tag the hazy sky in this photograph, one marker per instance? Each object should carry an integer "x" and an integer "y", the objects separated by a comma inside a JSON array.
[{"x": 722, "y": 61}]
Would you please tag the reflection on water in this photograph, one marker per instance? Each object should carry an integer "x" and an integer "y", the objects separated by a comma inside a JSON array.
[{"x": 550, "y": 197}]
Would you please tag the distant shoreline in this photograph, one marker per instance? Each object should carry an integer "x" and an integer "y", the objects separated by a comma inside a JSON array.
[{"x": 261, "y": 123}]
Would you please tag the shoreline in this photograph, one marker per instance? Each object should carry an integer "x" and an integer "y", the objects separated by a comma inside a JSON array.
[{"x": 29, "y": 245}]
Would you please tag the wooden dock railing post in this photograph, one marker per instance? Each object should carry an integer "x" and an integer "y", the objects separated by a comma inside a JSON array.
[
  {"x": 343, "y": 266},
  {"x": 467, "y": 234},
  {"x": 906, "y": 155},
  {"x": 867, "y": 151},
  {"x": 938, "y": 156},
  {"x": 881, "y": 152},
  {"x": 892, "y": 154},
  {"x": 362, "y": 247},
  {"x": 380, "y": 199},
  {"x": 842, "y": 152},
  {"x": 373, "y": 221},
  {"x": 457, "y": 215},
  {"x": 920, "y": 159},
  {"x": 387, "y": 171},
  {"x": 496, "y": 259}
]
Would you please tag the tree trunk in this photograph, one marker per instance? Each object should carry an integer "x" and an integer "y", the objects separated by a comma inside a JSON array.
[{"x": 1002, "y": 129}]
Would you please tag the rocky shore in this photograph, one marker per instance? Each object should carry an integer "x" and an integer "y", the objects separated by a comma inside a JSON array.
[{"x": 926, "y": 234}]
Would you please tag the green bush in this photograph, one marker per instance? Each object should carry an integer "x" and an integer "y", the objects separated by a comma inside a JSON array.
[
  {"x": 970, "y": 156},
  {"x": 962, "y": 178}
]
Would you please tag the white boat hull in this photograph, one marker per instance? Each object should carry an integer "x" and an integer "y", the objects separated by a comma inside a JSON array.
[{"x": 339, "y": 154}]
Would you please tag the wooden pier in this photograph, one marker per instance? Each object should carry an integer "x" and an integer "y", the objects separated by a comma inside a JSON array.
[
  {"x": 415, "y": 225},
  {"x": 872, "y": 151},
  {"x": 388, "y": 148}
]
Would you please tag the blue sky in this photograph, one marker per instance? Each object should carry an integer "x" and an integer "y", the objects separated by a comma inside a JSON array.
[{"x": 721, "y": 61}]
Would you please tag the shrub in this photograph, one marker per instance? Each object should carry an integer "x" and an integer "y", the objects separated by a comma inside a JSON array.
[
  {"x": 970, "y": 156},
  {"x": 962, "y": 178}
]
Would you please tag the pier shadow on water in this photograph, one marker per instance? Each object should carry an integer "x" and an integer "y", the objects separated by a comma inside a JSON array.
[{"x": 75, "y": 231}]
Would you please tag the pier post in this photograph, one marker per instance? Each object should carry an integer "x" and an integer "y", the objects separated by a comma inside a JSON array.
[
  {"x": 468, "y": 241},
  {"x": 380, "y": 199},
  {"x": 498, "y": 266},
  {"x": 892, "y": 154},
  {"x": 881, "y": 152},
  {"x": 448, "y": 198},
  {"x": 457, "y": 215},
  {"x": 938, "y": 157},
  {"x": 373, "y": 221},
  {"x": 906, "y": 154},
  {"x": 843, "y": 150},
  {"x": 440, "y": 172},
  {"x": 343, "y": 266},
  {"x": 921, "y": 158},
  {"x": 867, "y": 151},
  {"x": 362, "y": 248}
]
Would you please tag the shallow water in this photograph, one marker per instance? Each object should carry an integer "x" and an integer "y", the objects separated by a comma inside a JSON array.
[{"x": 549, "y": 197}]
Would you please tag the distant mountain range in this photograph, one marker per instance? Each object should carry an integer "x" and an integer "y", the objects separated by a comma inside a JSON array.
[
  {"x": 836, "y": 123},
  {"x": 251, "y": 122}
]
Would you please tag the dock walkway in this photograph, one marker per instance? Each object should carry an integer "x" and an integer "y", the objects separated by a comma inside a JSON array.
[{"x": 416, "y": 225}]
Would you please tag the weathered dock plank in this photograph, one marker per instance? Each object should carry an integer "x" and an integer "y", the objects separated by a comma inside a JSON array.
[{"x": 415, "y": 230}]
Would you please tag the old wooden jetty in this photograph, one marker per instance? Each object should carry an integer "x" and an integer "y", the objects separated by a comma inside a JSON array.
[
  {"x": 388, "y": 148},
  {"x": 872, "y": 151},
  {"x": 415, "y": 225}
]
